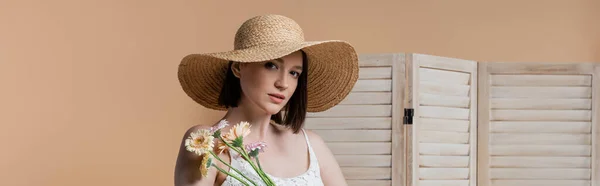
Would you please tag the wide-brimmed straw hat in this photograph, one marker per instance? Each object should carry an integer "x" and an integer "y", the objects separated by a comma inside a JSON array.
[{"x": 332, "y": 64}]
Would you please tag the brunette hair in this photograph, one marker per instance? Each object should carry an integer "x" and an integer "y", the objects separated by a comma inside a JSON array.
[{"x": 295, "y": 109}]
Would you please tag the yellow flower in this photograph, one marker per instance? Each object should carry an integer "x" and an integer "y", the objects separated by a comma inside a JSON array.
[
  {"x": 222, "y": 146},
  {"x": 200, "y": 142},
  {"x": 241, "y": 129},
  {"x": 204, "y": 165}
]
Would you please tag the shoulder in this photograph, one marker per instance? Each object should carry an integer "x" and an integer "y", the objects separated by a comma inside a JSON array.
[
  {"x": 318, "y": 145},
  {"x": 314, "y": 138},
  {"x": 187, "y": 163},
  {"x": 331, "y": 172}
]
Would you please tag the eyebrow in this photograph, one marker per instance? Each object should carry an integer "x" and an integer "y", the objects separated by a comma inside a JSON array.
[{"x": 281, "y": 61}]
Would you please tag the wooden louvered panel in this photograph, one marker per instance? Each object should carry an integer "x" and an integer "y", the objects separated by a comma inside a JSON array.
[
  {"x": 446, "y": 149},
  {"x": 444, "y": 140},
  {"x": 362, "y": 131},
  {"x": 548, "y": 182},
  {"x": 375, "y": 73},
  {"x": 537, "y": 124},
  {"x": 368, "y": 148},
  {"x": 540, "y": 162},
  {"x": 444, "y": 182},
  {"x": 355, "y": 111},
  {"x": 354, "y": 135},
  {"x": 368, "y": 98},
  {"x": 540, "y": 103},
  {"x": 448, "y": 125},
  {"x": 540, "y": 173},
  {"x": 341, "y": 123},
  {"x": 373, "y": 85},
  {"x": 540, "y": 80},
  {"x": 364, "y": 160},
  {"x": 540, "y": 127},
  {"x": 369, "y": 182},
  {"x": 367, "y": 173},
  {"x": 540, "y": 150}
]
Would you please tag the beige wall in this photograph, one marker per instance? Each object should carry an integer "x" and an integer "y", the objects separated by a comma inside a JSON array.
[{"x": 89, "y": 94}]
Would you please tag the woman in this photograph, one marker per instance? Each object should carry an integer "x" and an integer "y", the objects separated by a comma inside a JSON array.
[{"x": 271, "y": 79}]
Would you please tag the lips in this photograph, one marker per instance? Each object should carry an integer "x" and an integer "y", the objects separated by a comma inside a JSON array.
[{"x": 277, "y": 96}]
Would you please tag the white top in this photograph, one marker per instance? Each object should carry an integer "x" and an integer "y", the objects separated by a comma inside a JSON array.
[{"x": 311, "y": 177}]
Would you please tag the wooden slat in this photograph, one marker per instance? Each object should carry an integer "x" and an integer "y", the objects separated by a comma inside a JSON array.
[
  {"x": 483, "y": 123},
  {"x": 444, "y": 161},
  {"x": 443, "y": 137},
  {"x": 398, "y": 139},
  {"x": 354, "y": 135},
  {"x": 540, "y": 150},
  {"x": 540, "y": 68},
  {"x": 369, "y": 182},
  {"x": 540, "y": 162},
  {"x": 540, "y": 115},
  {"x": 541, "y": 92},
  {"x": 442, "y": 89},
  {"x": 349, "y": 123},
  {"x": 539, "y": 139},
  {"x": 444, "y": 112},
  {"x": 355, "y": 111},
  {"x": 596, "y": 127},
  {"x": 541, "y": 104},
  {"x": 367, "y": 98},
  {"x": 375, "y": 73},
  {"x": 540, "y": 127},
  {"x": 447, "y": 125},
  {"x": 364, "y": 160},
  {"x": 443, "y": 182},
  {"x": 366, "y": 173},
  {"x": 473, "y": 141},
  {"x": 444, "y": 76},
  {"x": 540, "y": 80},
  {"x": 548, "y": 182},
  {"x": 445, "y": 63},
  {"x": 444, "y": 101},
  {"x": 444, "y": 173},
  {"x": 444, "y": 149},
  {"x": 375, "y": 60},
  {"x": 367, "y": 148},
  {"x": 540, "y": 173},
  {"x": 373, "y": 85}
]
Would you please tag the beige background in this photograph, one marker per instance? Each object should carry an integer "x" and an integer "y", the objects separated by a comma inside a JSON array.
[{"x": 89, "y": 94}]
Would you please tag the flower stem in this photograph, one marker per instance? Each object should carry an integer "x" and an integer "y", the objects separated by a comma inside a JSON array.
[
  {"x": 258, "y": 163},
  {"x": 229, "y": 174},
  {"x": 228, "y": 165},
  {"x": 260, "y": 172}
]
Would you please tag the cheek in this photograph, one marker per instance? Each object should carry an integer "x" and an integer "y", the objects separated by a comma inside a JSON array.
[{"x": 252, "y": 82}]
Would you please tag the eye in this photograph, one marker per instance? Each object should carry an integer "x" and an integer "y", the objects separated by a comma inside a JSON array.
[
  {"x": 270, "y": 65},
  {"x": 295, "y": 74}
]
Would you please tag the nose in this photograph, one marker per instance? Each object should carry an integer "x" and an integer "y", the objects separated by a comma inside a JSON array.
[{"x": 282, "y": 82}]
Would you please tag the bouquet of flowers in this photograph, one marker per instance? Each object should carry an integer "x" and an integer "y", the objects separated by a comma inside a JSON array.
[{"x": 201, "y": 142}]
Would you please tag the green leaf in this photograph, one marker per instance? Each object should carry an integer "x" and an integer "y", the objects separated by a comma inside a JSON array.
[
  {"x": 253, "y": 153},
  {"x": 217, "y": 133},
  {"x": 238, "y": 142},
  {"x": 209, "y": 162}
]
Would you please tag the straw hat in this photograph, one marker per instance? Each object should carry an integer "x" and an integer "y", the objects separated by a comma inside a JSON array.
[{"x": 332, "y": 64}]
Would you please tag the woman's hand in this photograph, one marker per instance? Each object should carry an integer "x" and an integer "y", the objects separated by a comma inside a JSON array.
[{"x": 187, "y": 172}]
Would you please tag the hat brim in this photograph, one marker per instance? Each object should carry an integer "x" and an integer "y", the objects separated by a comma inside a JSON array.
[{"x": 332, "y": 71}]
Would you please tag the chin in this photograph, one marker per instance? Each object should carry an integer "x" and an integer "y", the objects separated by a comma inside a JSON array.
[{"x": 272, "y": 109}]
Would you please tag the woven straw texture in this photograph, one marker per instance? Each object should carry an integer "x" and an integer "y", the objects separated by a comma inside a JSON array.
[{"x": 332, "y": 64}]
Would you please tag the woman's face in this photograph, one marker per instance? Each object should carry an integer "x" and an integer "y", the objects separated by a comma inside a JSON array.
[{"x": 269, "y": 85}]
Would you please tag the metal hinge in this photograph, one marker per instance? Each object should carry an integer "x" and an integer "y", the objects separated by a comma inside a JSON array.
[{"x": 408, "y": 116}]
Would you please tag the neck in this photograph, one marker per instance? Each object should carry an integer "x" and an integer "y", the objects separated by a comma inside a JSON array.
[{"x": 259, "y": 120}]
